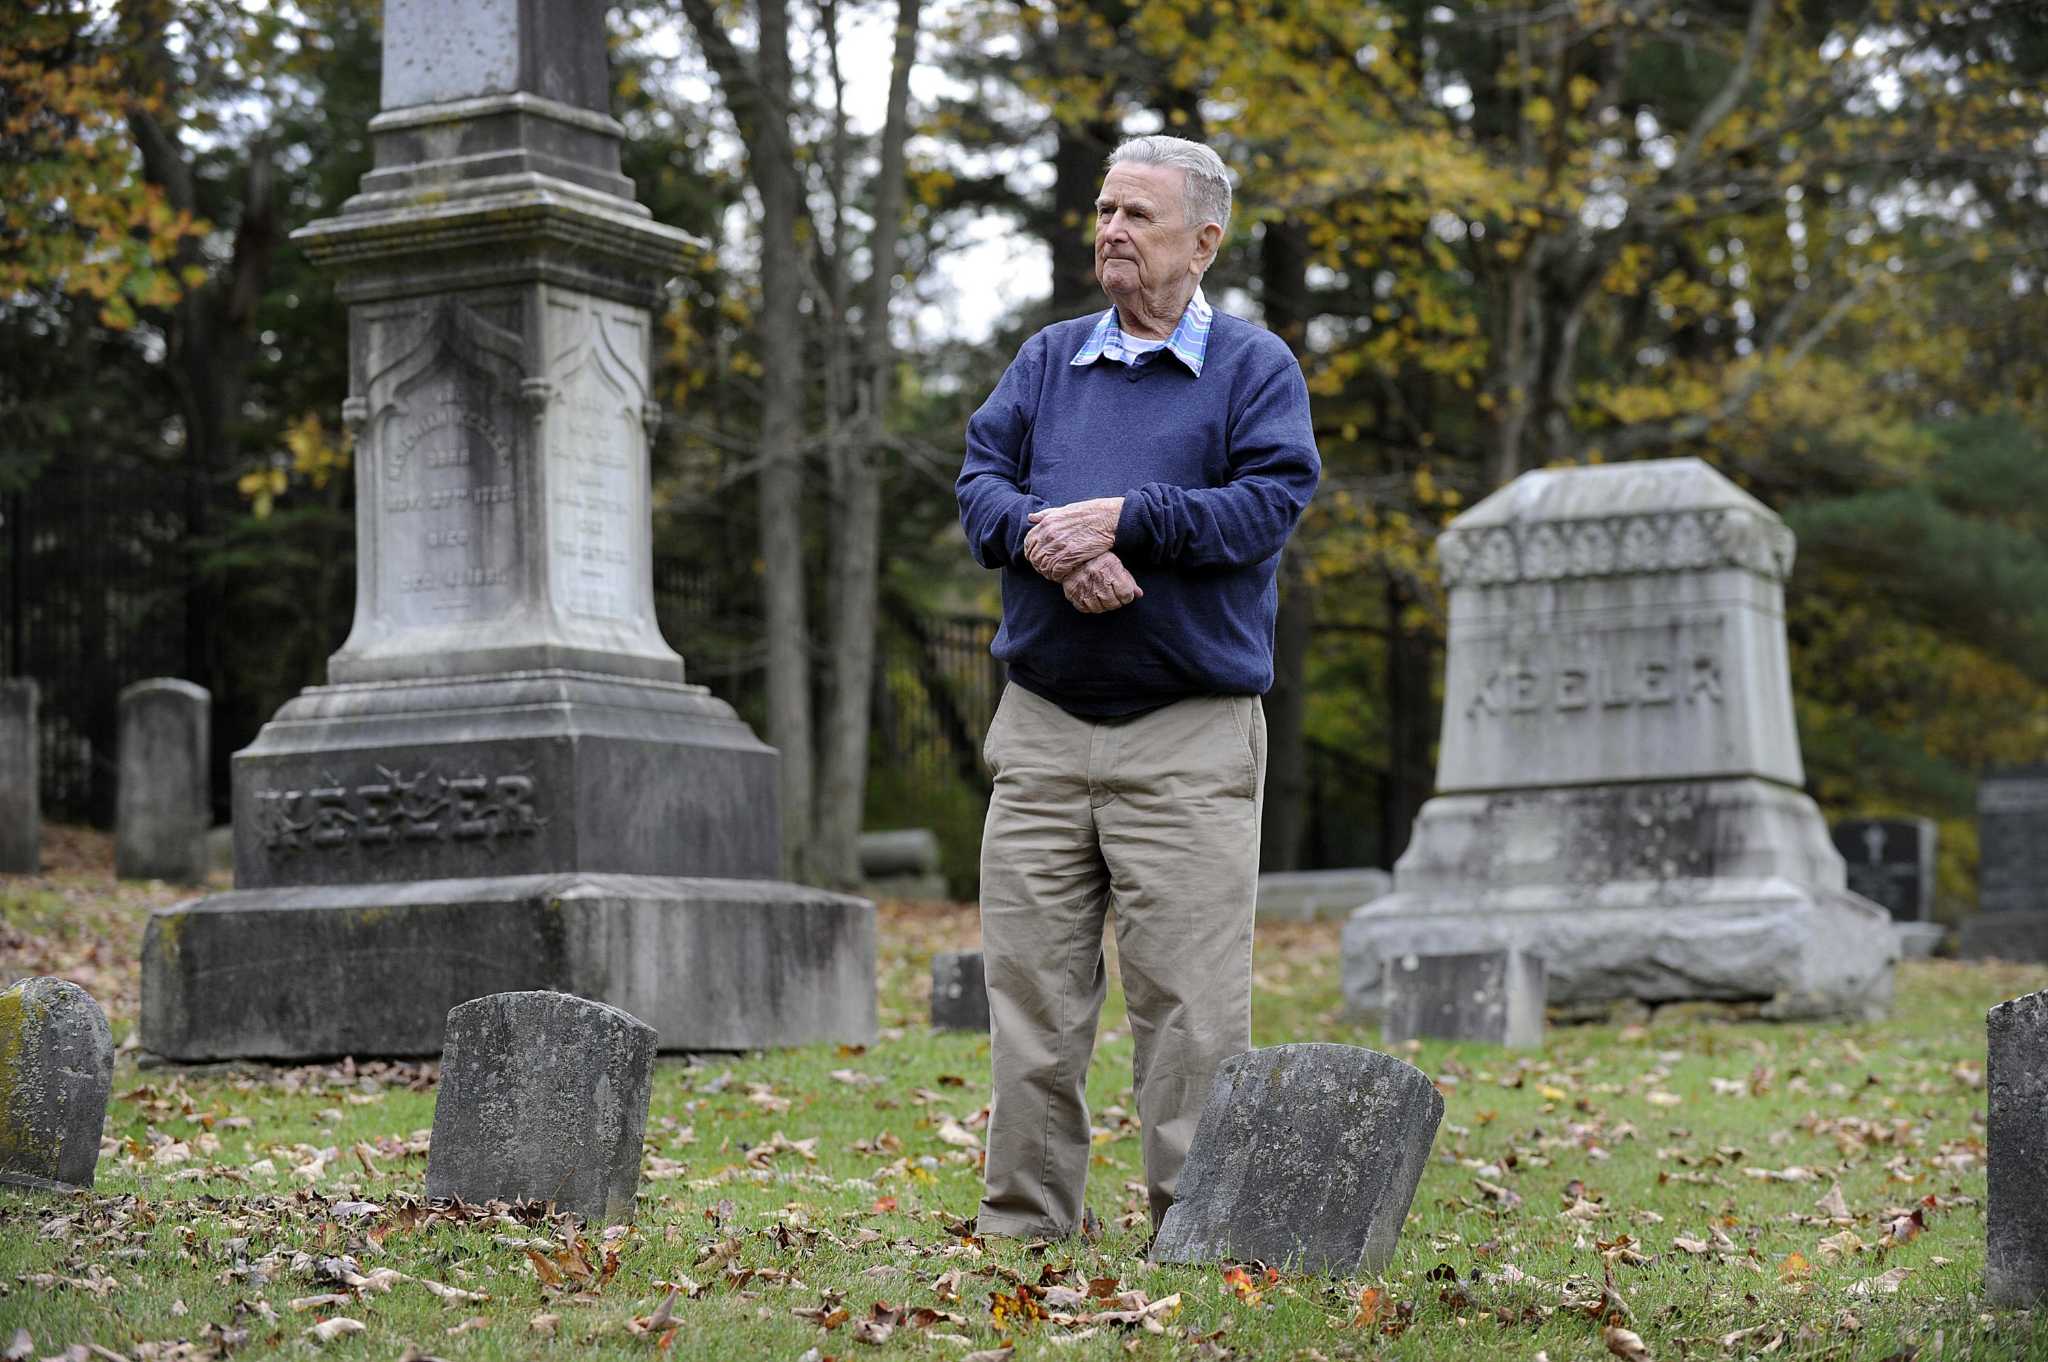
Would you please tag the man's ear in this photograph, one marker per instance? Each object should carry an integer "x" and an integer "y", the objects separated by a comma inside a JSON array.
[{"x": 1206, "y": 241}]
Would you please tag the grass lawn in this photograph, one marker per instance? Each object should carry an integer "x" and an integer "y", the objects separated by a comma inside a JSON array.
[{"x": 1713, "y": 1186}]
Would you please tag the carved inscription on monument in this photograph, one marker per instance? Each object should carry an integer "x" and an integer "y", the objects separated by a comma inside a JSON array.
[
  {"x": 1603, "y": 672},
  {"x": 390, "y": 809},
  {"x": 593, "y": 462},
  {"x": 450, "y": 514}
]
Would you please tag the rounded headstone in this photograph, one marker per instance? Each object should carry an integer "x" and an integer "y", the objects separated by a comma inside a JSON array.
[
  {"x": 56, "y": 1070},
  {"x": 1306, "y": 1157},
  {"x": 959, "y": 992},
  {"x": 543, "y": 1098},
  {"x": 162, "y": 807}
]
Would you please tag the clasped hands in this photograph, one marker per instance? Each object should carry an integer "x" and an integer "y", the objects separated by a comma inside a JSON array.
[{"x": 1071, "y": 545}]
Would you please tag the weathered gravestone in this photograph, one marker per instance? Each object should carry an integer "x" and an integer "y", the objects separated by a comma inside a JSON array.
[
  {"x": 1306, "y": 1157},
  {"x": 1494, "y": 997},
  {"x": 543, "y": 1097},
  {"x": 1891, "y": 862},
  {"x": 1306, "y": 895},
  {"x": 163, "y": 798},
  {"x": 902, "y": 863},
  {"x": 959, "y": 992},
  {"x": 506, "y": 783},
  {"x": 2016, "y": 1153},
  {"x": 1619, "y": 779},
  {"x": 56, "y": 1069},
  {"x": 2011, "y": 922},
  {"x": 21, "y": 809}
]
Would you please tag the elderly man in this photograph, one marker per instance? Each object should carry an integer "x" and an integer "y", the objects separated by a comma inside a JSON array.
[{"x": 1135, "y": 475}]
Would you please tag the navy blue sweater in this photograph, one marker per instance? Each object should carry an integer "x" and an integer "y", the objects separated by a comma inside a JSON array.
[{"x": 1214, "y": 472}]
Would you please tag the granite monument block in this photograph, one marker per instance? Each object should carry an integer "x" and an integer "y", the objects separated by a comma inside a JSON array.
[
  {"x": 1619, "y": 777},
  {"x": 163, "y": 800},
  {"x": 2016, "y": 1153},
  {"x": 1493, "y": 997},
  {"x": 56, "y": 1070},
  {"x": 2011, "y": 922},
  {"x": 959, "y": 992},
  {"x": 21, "y": 808},
  {"x": 1306, "y": 1158},
  {"x": 507, "y": 782},
  {"x": 543, "y": 1097}
]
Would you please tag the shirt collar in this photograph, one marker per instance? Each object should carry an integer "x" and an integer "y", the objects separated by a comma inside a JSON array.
[{"x": 1189, "y": 342}]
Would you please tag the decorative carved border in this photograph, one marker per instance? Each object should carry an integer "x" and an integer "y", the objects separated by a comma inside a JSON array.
[{"x": 1616, "y": 546}]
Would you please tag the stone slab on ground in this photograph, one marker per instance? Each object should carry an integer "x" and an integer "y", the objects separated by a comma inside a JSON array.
[
  {"x": 1306, "y": 1157},
  {"x": 1919, "y": 940},
  {"x": 1306, "y": 895},
  {"x": 1804, "y": 952},
  {"x": 56, "y": 1070},
  {"x": 319, "y": 970},
  {"x": 543, "y": 1097},
  {"x": 1493, "y": 997},
  {"x": 21, "y": 809},
  {"x": 898, "y": 851},
  {"x": 2016, "y": 1152},
  {"x": 959, "y": 992},
  {"x": 2021, "y": 936},
  {"x": 162, "y": 804}
]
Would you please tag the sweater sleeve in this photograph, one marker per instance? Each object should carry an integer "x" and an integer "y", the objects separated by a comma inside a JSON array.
[
  {"x": 1274, "y": 471},
  {"x": 994, "y": 507}
]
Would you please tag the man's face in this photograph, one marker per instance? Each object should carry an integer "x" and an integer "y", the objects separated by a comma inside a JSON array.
[{"x": 1143, "y": 240}]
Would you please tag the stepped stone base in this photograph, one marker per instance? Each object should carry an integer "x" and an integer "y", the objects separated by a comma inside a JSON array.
[
  {"x": 313, "y": 971},
  {"x": 1804, "y": 951}
]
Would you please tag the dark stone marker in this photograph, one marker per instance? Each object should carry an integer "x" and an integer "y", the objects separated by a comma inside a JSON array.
[
  {"x": 959, "y": 992},
  {"x": 56, "y": 1069},
  {"x": 1891, "y": 863},
  {"x": 2012, "y": 868},
  {"x": 1495, "y": 997},
  {"x": 21, "y": 810},
  {"x": 162, "y": 805},
  {"x": 543, "y": 1098},
  {"x": 2016, "y": 1219},
  {"x": 1307, "y": 1157}
]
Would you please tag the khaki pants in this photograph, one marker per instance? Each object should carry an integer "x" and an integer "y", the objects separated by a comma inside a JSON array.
[{"x": 1158, "y": 815}]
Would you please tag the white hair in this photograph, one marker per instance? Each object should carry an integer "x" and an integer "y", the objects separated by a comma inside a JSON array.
[{"x": 1206, "y": 197}]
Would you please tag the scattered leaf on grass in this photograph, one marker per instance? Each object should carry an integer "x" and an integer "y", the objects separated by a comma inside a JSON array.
[
  {"x": 543, "y": 1324},
  {"x": 1834, "y": 1205},
  {"x": 1625, "y": 1344},
  {"x": 327, "y": 1330},
  {"x": 1885, "y": 1284}
]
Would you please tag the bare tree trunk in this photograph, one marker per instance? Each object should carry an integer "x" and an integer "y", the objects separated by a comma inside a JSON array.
[
  {"x": 856, "y": 522},
  {"x": 1283, "y": 271}
]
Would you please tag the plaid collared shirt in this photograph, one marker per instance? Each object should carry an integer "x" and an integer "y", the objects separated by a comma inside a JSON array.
[{"x": 1188, "y": 343}]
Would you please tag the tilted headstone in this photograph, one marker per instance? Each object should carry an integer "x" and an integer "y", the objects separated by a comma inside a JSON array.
[
  {"x": 543, "y": 1097},
  {"x": 163, "y": 801},
  {"x": 1494, "y": 997},
  {"x": 959, "y": 992},
  {"x": 2016, "y": 1153},
  {"x": 2011, "y": 922},
  {"x": 56, "y": 1069},
  {"x": 21, "y": 808},
  {"x": 1619, "y": 784},
  {"x": 507, "y": 783},
  {"x": 1306, "y": 1157},
  {"x": 1305, "y": 895}
]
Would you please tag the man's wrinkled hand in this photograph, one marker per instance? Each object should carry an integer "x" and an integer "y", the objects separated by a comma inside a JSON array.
[
  {"x": 1064, "y": 538},
  {"x": 1101, "y": 585}
]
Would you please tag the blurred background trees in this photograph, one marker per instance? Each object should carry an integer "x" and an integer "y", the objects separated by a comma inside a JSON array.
[{"x": 1804, "y": 241}]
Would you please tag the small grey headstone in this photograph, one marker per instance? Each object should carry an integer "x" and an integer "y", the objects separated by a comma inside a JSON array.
[
  {"x": 21, "y": 812},
  {"x": 1890, "y": 861},
  {"x": 959, "y": 992},
  {"x": 1306, "y": 1157},
  {"x": 2016, "y": 1140},
  {"x": 1495, "y": 997},
  {"x": 899, "y": 851},
  {"x": 543, "y": 1098},
  {"x": 162, "y": 805},
  {"x": 2012, "y": 841},
  {"x": 56, "y": 1069}
]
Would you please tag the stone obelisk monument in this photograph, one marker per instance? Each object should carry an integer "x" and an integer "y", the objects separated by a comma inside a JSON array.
[
  {"x": 1619, "y": 779},
  {"x": 506, "y": 784}
]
